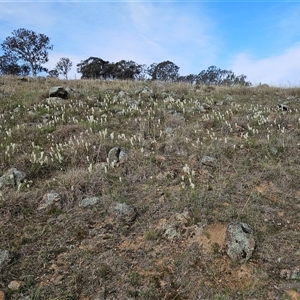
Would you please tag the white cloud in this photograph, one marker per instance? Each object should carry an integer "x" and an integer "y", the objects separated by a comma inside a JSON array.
[
  {"x": 180, "y": 32},
  {"x": 278, "y": 70},
  {"x": 32, "y": 16},
  {"x": 288, "y": 26}
]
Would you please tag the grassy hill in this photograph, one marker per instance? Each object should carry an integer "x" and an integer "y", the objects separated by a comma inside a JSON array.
[{"x": 198, "y": 158}]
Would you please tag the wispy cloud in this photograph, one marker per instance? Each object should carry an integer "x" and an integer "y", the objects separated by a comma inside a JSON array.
[
  {"x": 168, "y": 31},
  {"x": 260, "y": 40},
  {"x": 280, "y": 70},
  {"x": 31, "y": 16}
]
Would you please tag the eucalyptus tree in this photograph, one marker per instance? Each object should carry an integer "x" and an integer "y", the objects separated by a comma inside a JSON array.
[
  {"x": 64, "y": 66},
  {"x": 29, "y": 47}
]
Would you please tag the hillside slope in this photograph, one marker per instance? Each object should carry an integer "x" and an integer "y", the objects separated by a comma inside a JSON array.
[{"x": 148, "y": 219}]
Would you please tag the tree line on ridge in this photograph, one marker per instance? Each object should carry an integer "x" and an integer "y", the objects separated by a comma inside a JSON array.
[{"x": 26, "y": 52}]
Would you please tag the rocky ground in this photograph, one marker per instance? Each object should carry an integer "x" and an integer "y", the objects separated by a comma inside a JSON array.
[{"x": 148, "y": 190}]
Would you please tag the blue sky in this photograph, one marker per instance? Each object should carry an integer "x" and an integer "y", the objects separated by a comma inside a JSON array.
[{"x": 258, "y": 39}]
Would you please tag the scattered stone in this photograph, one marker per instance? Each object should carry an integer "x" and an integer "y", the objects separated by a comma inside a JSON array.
[
  {"x": 273, "y": 150},
  {"x": 291, "y": 274},
  {"x": 123, "y": 212},
  {"x": 31, "y": 113},
  {"x": 240, "y": 242},
  {"x": 283, "y": 107},
  {"x": 171, "y": 233},
  {"x": 290, "y": 98},
  {"x": 51, "y": 199},
  {"x": 5, "y": 258},
  {"x": 202, "y": 109},
  {"x": 123, "y": 155},
  {"x": 88, "y": 201},
  {"x": 176, "y": 224},
  {"x": 229, "y": 98},
  {"x": 58, "y": 91},
  {"x": 146, "y": 91},
  {"x": 206, "y": 106},
  {"x": 208, "y": 161},
  {"x": 169, "y": 131},
  {"x": 117, "y": 156},
  {"x": 122, "y": 94},
  {"x": 15, "y": 285},
  {"x": 134, "y": 103},
  {"x": 75, "y": 92},
  {"x": 12, "y": 177},
  {"x": 25, "y": 297}
]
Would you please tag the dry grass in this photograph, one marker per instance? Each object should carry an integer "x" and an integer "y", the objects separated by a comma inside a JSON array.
[{"x": 83, "y": 253}]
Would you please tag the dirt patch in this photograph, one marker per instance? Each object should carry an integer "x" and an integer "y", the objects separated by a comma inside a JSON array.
[
  {"x": 209, "y": 237},
  {"x": 293, "y": 295},
  {"x": 269, "y": 190}
]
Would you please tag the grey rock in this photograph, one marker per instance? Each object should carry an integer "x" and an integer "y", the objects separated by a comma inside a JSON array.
[
  {"x": 26, "y": 297},
  {"x": 240, "y": 241},
  {"x": 31, "y": 113},
  {"x": 123, "y": 212},
  {"x": 122, "y": 94},
  {"x": 206, "y": 106},
  {"x": 208, "y": 161},
  {"x": 5, "y": 258},
  {"x": 51, "y": 199},
  {"x": 290, "y": 98},
  {"x": 171, "y": 233},
  {"x": 74, "y": 91},
  {"x": 89, "y": 201},
  {"x": 146, "y": 91},
  {"x": 291, "y": 274},
  {"x": 134, "y": 103},
  {"x": 177, "y": 222},
  {"x": 283, "y": 107},
  {"x": 117, "y": 156},
  {"x": 169, "y": 131},
  {"x": 123, "y": 155},
  {"x": 58, "y": 91},
  {"x": 202, "y": 109},
  {"x": 229, "y": 98},
  {"x": 12, "y": 177},
  {"x": 113, "y": 156},
  {"x": 273, "y": 150}
]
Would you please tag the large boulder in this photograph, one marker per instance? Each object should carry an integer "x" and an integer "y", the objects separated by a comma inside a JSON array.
[
  {"x": 58, "y": 91},
  {"x": 12, "y": 177},
  {"x": 89, "y": 201},
  {"x": 117, "y": 156},
  {"x": 5, "y": 258},
  {"x": 240, "y": 241},
  {"x": 123, "y": 212},
  {"x": 51, "y": 199}
]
